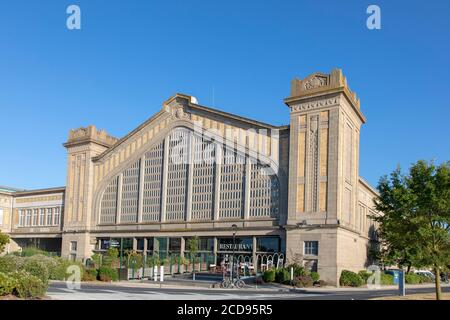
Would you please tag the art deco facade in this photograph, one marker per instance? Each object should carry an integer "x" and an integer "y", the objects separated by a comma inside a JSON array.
[{"x": 195, "y": 171}]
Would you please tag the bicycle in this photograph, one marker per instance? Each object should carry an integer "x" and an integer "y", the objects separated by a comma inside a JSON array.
[{"x": 235, "y": 283}]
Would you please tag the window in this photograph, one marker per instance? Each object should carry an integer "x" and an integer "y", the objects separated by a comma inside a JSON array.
[
  {"x": 28, "y": 221},
  {"x": 140, "y": 243},
  {"x": 268, "y": 244},
  {"x": 41, "y": 217},
  {"x": 1, "y": 217},
  {"x": 73, "y": 246},
  {"x": 150, "y": 244},
  {"x": 174, "y": 245},
  {"x": 21, "y": 218},
  {"x": 206, "y": 244},
  {"x": 57, "y": 216},
  {"x": 49, "y": 216},
  {"x": 35, "y": 217},
  {"x": 311, "y": 248},
  {"x": 310, "y": 265}
]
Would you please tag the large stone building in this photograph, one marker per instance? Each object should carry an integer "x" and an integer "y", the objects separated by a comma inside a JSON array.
[{"x": 191, "y": 170}]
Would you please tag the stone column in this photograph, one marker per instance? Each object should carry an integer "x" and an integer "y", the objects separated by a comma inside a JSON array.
[
  {"x": 254, "y": 252},
  {"x": 216, "y": 243}
]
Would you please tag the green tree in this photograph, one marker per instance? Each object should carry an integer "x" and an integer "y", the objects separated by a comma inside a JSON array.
[
  {"x": 4, "y": 240},
  {"x": 396, "y": 232},
  {"x": 415, "y": 225},
  {"x": 193, "y": 247}
]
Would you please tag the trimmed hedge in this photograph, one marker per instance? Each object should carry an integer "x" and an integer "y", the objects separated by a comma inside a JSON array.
[
  {"x": 269, "y": 275},
  {"x": 412, "y": 278},
  {"x": 425, "y": 279},
  {"x": 350, "y": 279},
  {"x": 108, "y": 274},
  {"x": 364, "y": 274},
  {"x": 386, "y": 279}
]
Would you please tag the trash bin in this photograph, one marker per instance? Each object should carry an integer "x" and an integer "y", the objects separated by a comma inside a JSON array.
[{"x": 395, "y": 274}]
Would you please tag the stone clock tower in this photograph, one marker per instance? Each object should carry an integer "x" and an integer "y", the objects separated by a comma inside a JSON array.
[{"x": 325, "y": 122}]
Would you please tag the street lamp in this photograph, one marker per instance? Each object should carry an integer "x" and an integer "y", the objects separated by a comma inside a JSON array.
[{"x": 234, "y": 228}]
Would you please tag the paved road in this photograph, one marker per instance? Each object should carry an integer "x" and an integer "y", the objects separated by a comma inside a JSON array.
[{"x": 123, "y": 292}]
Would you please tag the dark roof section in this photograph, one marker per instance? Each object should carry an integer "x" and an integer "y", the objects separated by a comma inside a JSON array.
[
  {"x": 9, "y": 189},
  {"x": 40, "y": 191}
]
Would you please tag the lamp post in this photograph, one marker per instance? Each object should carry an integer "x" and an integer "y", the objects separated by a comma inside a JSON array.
[{"x": 234, "y": 228}]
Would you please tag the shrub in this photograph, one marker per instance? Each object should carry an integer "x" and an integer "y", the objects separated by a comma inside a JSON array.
[
  {"x": 27, "y": 285},
  {"x": 108, "y": 274},
  {"x": 315, "y": 276},
  {"x": 364, "y": 274},
  {"x": 411, "y": 278},
  {"x": 350, "y": 279},
  {"x": 59, "y": 272},
  {"x": 38, "y": 269},
  {"x": 387, "y": 279},
  {"x": 269, "y": 275},
  {"x": 31, "y": 251},
  {"x": 7, "y": 284},
  {"x": 11, "y": 263},
  {"x": 282, "y": 276},
  {"x": 303, "y": 281},
  {"x": 425, "y": 279},
  {"x": 111, "y": 258},
  {"x": 51, "y": 263},
  {"x": 4, "y": 240},
  {"x": 321, "y": 283},
  {"x": 298, "y": 270},
  {"x": 97, "y": 260},
  {"x": 90, "y": 275},
  {"x": 134, "y": 260}
]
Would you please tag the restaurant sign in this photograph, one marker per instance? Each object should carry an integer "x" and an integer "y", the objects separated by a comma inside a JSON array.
[{"x": 240, "y": 244}]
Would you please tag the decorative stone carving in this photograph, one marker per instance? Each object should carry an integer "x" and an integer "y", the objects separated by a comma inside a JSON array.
[
  {"x": 315, "y": 104},
  {"x": 314, "y": 162},
  {"x": 177, "y": 112},
  {"x": 315, "y": 82}
]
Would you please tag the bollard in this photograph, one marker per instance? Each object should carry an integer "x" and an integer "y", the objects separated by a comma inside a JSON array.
[
  {"x": 155, "y": 273},
  {"x": 401, "y": 283},
  {"x": 161, "y": 273}
]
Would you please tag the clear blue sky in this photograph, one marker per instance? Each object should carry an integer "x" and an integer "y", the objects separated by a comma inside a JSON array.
[{"x": 130, "y": 56}]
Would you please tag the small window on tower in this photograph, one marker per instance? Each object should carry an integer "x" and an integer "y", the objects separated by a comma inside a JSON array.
[{"x": 311, "y": 248}]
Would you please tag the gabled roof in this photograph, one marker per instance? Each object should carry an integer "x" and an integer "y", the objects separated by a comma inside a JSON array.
[{"x": 191, "y": 106}]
